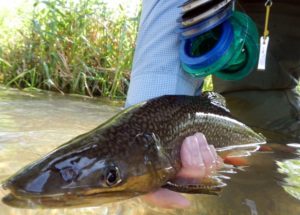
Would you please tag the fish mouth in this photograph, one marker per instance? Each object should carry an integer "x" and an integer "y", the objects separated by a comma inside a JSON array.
[
  {"x": 83, "y": 198},
  {"x": 64, "y": 200},
  {"x": 17, "y": 196}
]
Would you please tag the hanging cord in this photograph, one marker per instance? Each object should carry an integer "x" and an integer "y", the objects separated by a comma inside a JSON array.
[
  {"x": 264, "y": 40},
  {"x": 268, "y": 6}
]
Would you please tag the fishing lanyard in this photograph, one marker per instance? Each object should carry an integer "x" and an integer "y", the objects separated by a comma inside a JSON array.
[{"x": 264, "y": 40}]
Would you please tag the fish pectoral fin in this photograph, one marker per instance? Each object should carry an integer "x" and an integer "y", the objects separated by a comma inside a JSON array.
[{"x": 209, "y": 187}]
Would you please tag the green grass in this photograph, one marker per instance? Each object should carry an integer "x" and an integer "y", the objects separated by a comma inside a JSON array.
[
  {"x": 70, "y": 46},
  {"x": 78, "y": 47}
]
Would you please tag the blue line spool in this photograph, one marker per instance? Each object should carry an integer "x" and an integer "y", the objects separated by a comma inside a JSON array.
[{"x": 230, "y": 50}]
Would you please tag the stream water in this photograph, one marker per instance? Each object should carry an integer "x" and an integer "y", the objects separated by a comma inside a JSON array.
[{"x": 34, "y": 123}]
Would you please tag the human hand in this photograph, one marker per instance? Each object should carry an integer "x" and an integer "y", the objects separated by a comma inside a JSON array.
[{"x": 198, "y": 161}]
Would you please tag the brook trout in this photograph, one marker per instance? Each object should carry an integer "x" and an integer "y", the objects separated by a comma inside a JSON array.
[{"x": 133, "y": 153}]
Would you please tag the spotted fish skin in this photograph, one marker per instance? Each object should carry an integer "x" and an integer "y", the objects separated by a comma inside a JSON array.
[
  {"x": 142, "y": 144},
  {"x": 170, "y": 118}
]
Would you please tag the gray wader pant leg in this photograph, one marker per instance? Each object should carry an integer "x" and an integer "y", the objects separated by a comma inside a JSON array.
[{"x": 268, "y": 100}]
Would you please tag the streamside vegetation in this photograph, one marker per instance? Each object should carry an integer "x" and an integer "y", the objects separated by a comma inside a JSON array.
[{"x": 70, "y": 46}]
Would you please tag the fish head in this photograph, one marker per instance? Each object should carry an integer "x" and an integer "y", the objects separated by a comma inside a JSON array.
[{"x": 85, "y": 172}]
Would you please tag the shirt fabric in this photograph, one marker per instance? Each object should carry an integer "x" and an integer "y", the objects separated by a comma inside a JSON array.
[{"x": 156, "y": 66}]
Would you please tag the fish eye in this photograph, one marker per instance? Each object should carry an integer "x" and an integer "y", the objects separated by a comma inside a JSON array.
[{"x": 112, "y": 176}]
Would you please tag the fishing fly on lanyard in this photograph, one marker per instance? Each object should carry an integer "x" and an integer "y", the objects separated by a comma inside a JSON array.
[{"x": 217, "y": 39}]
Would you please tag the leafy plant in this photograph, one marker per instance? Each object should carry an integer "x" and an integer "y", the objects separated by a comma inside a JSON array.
[{"x": 71, "y": 46}]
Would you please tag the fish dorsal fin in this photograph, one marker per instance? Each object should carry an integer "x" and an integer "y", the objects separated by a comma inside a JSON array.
[{"x": 216, "y": 99}]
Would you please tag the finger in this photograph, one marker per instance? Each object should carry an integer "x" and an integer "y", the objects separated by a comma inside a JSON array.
[
  {"x": 167, "y": 199},
  {"x": 206, "y": 153},
  {"x": 191, "y": 154},
  {"x": 218, "y": 159},
  {"x": 214, "y": 156},
  {"x": 214, "y": 153},
  {"x": 191, "y": 158}
]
